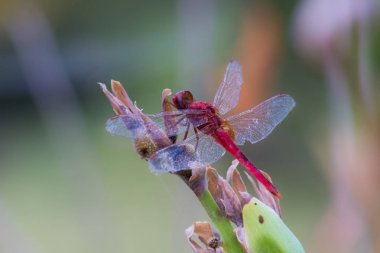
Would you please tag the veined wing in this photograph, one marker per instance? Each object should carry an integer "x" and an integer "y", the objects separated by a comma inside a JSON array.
[
  {"x": 133, "y": 126},
  {"x": 228, "y": 94},
  {"x": 258, "y": 122},
  {"x": 181, "y": 117},
  {"x": 208, "y": 150},
  {"x": 187, "y": 154},
  {"x": 129, "y": 125}
]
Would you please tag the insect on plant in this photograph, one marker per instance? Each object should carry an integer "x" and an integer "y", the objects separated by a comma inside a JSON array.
[{"x": 207, "y": 132}]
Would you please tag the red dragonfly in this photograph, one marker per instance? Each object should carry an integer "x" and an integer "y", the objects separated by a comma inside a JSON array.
[{"x": 213, "y": 133}]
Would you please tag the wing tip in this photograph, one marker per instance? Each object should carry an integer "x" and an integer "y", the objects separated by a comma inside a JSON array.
[
  {"x": 289, "y": 99},
  {"x": 234, "y": 62}
]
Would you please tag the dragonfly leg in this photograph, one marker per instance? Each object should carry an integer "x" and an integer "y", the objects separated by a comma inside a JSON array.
[
  {"x": 187, "y": 131},
  {"x": 196, "y": 137},
  {"x": 179, "y": 121},
  {"x": 172, "y": 131}
]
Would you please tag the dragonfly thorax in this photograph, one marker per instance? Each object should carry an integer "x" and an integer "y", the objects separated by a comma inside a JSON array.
[{"x": 208, "y": 120}]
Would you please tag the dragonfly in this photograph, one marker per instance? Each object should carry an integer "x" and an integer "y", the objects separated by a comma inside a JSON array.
[{"x": 213, "y": 133}]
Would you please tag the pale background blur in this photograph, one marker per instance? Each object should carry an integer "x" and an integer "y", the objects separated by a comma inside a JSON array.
[{"x": 68, "y": 186}]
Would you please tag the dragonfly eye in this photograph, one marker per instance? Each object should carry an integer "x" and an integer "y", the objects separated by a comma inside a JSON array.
[{"x": 183, "y": 99}]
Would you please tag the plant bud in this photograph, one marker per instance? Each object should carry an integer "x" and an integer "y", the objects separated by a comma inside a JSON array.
[{"x": 145, "y": 147}]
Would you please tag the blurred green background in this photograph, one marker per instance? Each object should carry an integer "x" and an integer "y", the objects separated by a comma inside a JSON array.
[{"x": 66, "y": 185}]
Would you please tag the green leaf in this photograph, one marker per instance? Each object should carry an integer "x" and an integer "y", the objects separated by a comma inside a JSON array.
[
  {"x": 221, "y": 223},
  {"x": 266, "y": 232}
]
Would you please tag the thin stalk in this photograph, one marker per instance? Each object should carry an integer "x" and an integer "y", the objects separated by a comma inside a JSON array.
[
  {"x": 197, "y": 182},
  {"x": 221, "y": 223}
]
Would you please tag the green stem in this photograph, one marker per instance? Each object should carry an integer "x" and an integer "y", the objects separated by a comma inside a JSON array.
[{"x": 221, "y": 223}]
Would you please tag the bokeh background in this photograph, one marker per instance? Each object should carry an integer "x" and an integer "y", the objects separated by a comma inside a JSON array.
[{"x": 68, "y": 186}]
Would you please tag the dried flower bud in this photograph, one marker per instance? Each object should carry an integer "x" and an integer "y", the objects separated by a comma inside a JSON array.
[
  {"x": 233, "y": 177},
  {"x": 225, "y": 197},
  {"x": 118, "y": 106},
  {"x": 259, "y": 225},
  {"x": 148, "y": 137},
  {"x": 197, "y": 181},
  {"x": 206, "y": 235},
  {"x": 235, "y": 180},
  {"x": 242, "y": 238},
  {"x": 231, "y": 195},
  {"x": 214, "y": 186},
  {"x": 264, "y": 195},
  {"x": 171, "y": 127},
  {"x": 145, "y": 147},
  {"x": 232, "y": 205},
  {"x": 122, "y": 95}
]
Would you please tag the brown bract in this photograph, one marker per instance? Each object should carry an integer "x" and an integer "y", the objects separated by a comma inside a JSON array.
[
  {"x": 197, "y": 181},
  {"x": 264, "y": 195},
  {"x": 226, "y": 198},
  {"x": 206, "y": 235},
  {"x": 170, "y": 121},
  {"x": 154, "y": 138},
  {"x": 231, "y": 196},
  {"x": 231, "y": 193}
]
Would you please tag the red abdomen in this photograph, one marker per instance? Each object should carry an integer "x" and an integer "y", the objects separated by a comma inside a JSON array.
[{"x": 226, "y": 142}]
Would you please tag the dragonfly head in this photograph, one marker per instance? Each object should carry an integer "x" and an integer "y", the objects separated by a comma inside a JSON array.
[{"x": 183, "y": 99}]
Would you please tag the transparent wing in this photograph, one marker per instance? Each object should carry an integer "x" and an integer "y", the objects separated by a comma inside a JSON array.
[
  {"x": 129, "y": 125},
  {"x": 171, "y": 130},
  {"x": 181, "y": 119},
  {"x": 227, "y": 96},
  {"x": 208, "y": 150},
  {"x": 258, "y": 122},
  {"x": 173, "y": 158},
  {"x": 186, "y": 155},
  {"x": 132, "y": 126}
]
